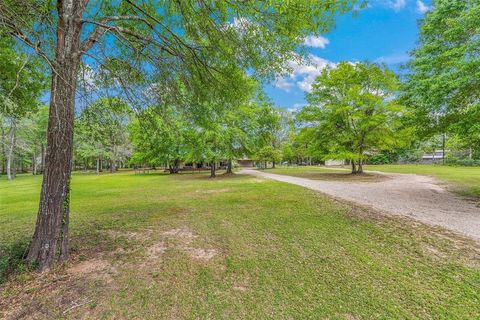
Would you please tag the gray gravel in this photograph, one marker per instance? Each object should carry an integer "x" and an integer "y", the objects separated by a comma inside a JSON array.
[{"x": 420, "y": 197}]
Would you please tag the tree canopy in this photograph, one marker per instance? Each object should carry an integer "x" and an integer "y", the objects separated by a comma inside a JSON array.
[
  {"x": 352, "y": 111},
  {"x": 442, "y": 86}
]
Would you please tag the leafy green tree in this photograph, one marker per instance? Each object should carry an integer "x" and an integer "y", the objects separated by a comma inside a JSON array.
[
  {"x": 102, "y": 131},
  {"x": 171, "y": 42},
  {"x": 268, "y": 153},
  {"x": 442, "y": 85},
  {"x": 159, "y": 137},
  {"x": 269, "y": 131},
  {"x": 352, "y": 111},
  {"x": 21, "y": 82}
]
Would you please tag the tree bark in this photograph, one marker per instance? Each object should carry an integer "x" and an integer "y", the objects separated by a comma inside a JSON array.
[
  {"x": 98, "y": 165},
  {"x": 11, "y": 147},
  {"x": 50, "y": 240},
  {"x": 360, "y": 161},
  {"x": 229, "y": 166},
  {"x": 34, "y": 161},
  {"x": 174, "y": 168},
  {"x": 360, "y": 166},
  {"x": 212, "y": 170},
  {"x": 273, "y": 164},
  {"x": 112, "y": 166},
  {"x": 4, "y": 151},
  {"x": 354, "y": 167},
  {"x": 42, "y": 161}
]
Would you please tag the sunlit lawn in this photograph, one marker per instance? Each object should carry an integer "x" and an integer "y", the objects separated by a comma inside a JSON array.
[
  {"x": 156, "y": 246},
  {"x": 465, "y": 180}
]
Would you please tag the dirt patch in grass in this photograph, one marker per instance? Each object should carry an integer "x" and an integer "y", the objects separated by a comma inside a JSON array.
[
  {"x": 78, "y": 288},
  {"x": 201, "y": 254},
  {"x": 207, "y": 191},
  {"x": 57, "y": 293},
  {"x": 181, "y": 239}
]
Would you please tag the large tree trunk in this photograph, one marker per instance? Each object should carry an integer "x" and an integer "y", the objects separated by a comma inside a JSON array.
[
  {"x": 11, "y": 148},
  {"x": 229, "y": 166},
  {"x": 50, "y": 240},
  {"x": 273, "y": 164},
  {"x": 212, "y": 170}
]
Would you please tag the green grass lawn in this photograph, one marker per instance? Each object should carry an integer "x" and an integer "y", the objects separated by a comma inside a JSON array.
[
  {"x": 157, "y": 246},
  {"x": 466, "y": 179}
]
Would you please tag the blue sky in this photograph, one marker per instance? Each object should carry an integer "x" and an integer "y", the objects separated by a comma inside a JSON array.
[{"x": 384, "y": 32}]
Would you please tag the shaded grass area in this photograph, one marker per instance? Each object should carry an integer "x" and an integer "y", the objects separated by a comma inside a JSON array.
[
  {"x": 328, "y": 174},
  {"x": 465, "y": 179},
  {"x": 156, "y": 246}
]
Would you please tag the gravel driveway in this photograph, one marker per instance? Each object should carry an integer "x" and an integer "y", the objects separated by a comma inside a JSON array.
[{"x": 415, "y": 196}]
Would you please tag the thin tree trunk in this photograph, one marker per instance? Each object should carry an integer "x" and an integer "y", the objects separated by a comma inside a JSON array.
[
  {"x": 11, "y": 147},
  {"x": 4, "y": 151},
  {"x": 50, "y": 240},
  {"x": 98, "y": 165},
  {"x": 212, "y": 170},
  {"x": 34, "y": 161},
  {"x": 42, "y": 161},
  {"x": 229, "y": 166},
  {"x": 360, "y": 162},
  {"x": 360, "y": 166},
  {"x": 354, "y": 167},
  {"x": 273, "y": 164},
  {"x": 174, "y": 168}
]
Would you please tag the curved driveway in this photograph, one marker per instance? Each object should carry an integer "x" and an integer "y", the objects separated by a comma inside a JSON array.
[{"x": 415, "y": 196}]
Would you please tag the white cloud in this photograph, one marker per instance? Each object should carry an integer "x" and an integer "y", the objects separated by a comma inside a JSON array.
[
  {"x": 316, "y": 42},
  {"x": 303, "y": 73},
  {"x": 396, "y": 58},
  {"x": 296, "y": 107},
  {"x": 398, "y": 5},
  {"x": 283, "y": 84},
  {"x": 422, "y": 7}
]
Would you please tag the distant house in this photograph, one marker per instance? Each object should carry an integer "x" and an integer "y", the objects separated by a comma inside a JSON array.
[
  {"x": 433, "y": 156},
  {"x": 332, "y": 162},
  {"x": 243, "y": 163},
  {"x": 246, "y": 162}
]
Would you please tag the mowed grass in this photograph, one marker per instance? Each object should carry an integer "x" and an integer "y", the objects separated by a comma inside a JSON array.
[
  {"x": 465, "y": 179},
  {"x": 157, "y": 246}
]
